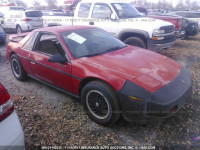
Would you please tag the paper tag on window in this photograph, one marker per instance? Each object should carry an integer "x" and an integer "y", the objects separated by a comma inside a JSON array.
[{"x": 77, "y": 38}]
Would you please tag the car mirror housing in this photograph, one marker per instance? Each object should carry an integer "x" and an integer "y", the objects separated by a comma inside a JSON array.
[{"x": 57, "y": 58}]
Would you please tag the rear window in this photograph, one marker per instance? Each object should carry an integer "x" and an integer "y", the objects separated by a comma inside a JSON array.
[{"x": 34, "y": 14}]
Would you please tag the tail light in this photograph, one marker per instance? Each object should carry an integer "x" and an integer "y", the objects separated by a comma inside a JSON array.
[
  {"x": 174, "y": 109},
  {"x": 27, "y": 19},
  {"x": 6, "y": 105}
]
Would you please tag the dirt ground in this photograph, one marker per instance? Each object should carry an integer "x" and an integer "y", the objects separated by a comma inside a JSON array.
[{"x": 52, "y": 118}]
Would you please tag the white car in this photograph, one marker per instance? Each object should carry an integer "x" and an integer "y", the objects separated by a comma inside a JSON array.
[
  {"x": 11, "y": 133},
  {"x": 21, "y": 21}
]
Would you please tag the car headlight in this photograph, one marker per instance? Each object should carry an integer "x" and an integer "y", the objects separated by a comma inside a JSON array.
[{"x": 158, "y": 32}]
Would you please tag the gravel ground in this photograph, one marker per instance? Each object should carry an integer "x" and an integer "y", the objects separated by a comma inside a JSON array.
[{"x": 52, "y": 118}]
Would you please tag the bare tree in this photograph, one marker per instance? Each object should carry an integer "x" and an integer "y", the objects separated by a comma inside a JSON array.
[
  {"x": 36, "y": 4},
  {"x": 20, "y": 3},
  {"x": 51, "y": 4},
  {"x": 180, "y": 5}
]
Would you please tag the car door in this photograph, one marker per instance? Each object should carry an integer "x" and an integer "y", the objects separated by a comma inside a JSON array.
[
  {"x": 6, "y": 20},
  {"x": 102, "y": 13},
  {"x": 56, "y": 74},
  {"x": 82, "y": 15}
]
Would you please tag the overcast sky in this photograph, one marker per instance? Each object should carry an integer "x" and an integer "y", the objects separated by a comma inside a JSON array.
[{"x": 60, "y": 2}]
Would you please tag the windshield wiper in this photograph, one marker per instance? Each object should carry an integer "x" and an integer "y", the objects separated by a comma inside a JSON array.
[
  {"x": 115, "y": 48},
  {"x": 107, "y": 51}
]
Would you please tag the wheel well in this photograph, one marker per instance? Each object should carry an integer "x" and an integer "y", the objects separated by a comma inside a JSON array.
[
  {"x": 87, "y": 80},
  {"x": 127, "y": 35},
  {"x": 12, "y": 53}
]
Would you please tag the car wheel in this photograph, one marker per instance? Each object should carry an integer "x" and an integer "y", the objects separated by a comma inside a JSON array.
[
  {"x": 100, "y": 103},
  {"x": 18, "y": 29},
  {"x": 135, "y": 41},
  {"x": 17, "y": 68}
]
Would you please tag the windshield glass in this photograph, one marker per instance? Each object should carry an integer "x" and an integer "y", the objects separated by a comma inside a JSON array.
[
  {"x": 90, "y": 42},
  {"x": 125, "y": 10}
]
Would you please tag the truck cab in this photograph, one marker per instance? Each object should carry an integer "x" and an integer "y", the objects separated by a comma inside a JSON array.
[{"x": 123, "y": 21}]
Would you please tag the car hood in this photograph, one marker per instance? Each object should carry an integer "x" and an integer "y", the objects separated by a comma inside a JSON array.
[{"x": 147, "y": 69}]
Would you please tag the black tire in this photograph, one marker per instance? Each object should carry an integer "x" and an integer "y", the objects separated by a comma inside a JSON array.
[
  {"x": 135, "y": 41},
  {"x": 18, "y": 29},
  {"x": 103, "y": 97},
  {"x": 17, "y": 68}
]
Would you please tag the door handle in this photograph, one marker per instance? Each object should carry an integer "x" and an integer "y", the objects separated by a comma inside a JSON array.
[{"x": 91, "y": 23}]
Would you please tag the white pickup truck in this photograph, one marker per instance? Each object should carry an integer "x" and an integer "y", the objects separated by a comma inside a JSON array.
[{"x": 121, "y": 20}]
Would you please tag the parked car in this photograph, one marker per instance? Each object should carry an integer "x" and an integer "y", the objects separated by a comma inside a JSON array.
[
  {"x": 58, "y": 10},
  {"x": 21, "y": 21},
  {"x": 2, "y": 36},
  {"x": 5, "y": 9},
  {"x": 12, "y": 136},
  {"x": 121, "y": 20},
  {"x": 51, "y": 13},
  {"x": 178, "y": 21},
  {"x": 110, "y": 77},
  {"x": 183, "y": 27},
  {"x": 191, "y": 28},
  {"x": 191, "y": 15}
]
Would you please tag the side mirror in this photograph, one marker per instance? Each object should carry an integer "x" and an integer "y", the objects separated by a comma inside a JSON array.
[
  {"x": 113, "y": 16},
  {"x": 57, "y": 58}
]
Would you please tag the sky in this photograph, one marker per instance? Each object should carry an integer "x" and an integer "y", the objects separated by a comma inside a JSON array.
[{"x": 61, "y": 2}]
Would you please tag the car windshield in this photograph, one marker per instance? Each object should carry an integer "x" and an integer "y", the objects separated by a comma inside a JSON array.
[
  {"x": 90, "y": 42},
  {"x": 125, "y": 11},
  {"x": 33, "y": 14}
]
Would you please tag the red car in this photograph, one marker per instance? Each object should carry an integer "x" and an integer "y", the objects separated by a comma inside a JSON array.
[{"x": 111, "y": 78}]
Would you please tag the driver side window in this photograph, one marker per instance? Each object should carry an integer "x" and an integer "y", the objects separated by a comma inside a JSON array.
[
  {"x": 49, "y": 44},
  {"x": 101, "y": 11}
]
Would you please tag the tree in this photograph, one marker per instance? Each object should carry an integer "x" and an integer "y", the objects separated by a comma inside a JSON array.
[
  {"x": 20, "y": 3},
  {"x": 180, "y": 5},
  {"x": 36, "y": 4},
  {"x": 51, "y": 4}
]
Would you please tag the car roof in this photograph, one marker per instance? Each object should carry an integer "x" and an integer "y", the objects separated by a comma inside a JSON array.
[{"x": 60, "y": 29}]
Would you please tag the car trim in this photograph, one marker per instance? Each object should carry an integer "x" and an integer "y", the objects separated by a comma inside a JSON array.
[
  {"x": 50, "y": 67},
  {"x": 62, "y": 90}
]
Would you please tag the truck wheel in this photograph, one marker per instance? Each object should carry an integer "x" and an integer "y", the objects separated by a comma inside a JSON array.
[
  {"x": 18, "y": 29},
  {"x": 135, "y": 41},
  {"x": 17, "y": 68},
  {"x": 100, "y": 103}
]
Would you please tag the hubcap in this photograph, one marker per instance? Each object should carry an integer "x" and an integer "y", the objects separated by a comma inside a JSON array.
[
  {"x": 15, "y": 68},
  {"x": 97, "y": 104}
]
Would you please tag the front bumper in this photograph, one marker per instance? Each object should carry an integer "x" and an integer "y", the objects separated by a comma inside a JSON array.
[
  {"x": 158, "y": 104},
  {"x": 12, "y": 136},
  {"x": 161, "y": 44}
]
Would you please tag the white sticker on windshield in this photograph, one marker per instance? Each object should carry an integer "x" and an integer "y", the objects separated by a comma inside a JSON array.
[{"x": 77, "y": 38}]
